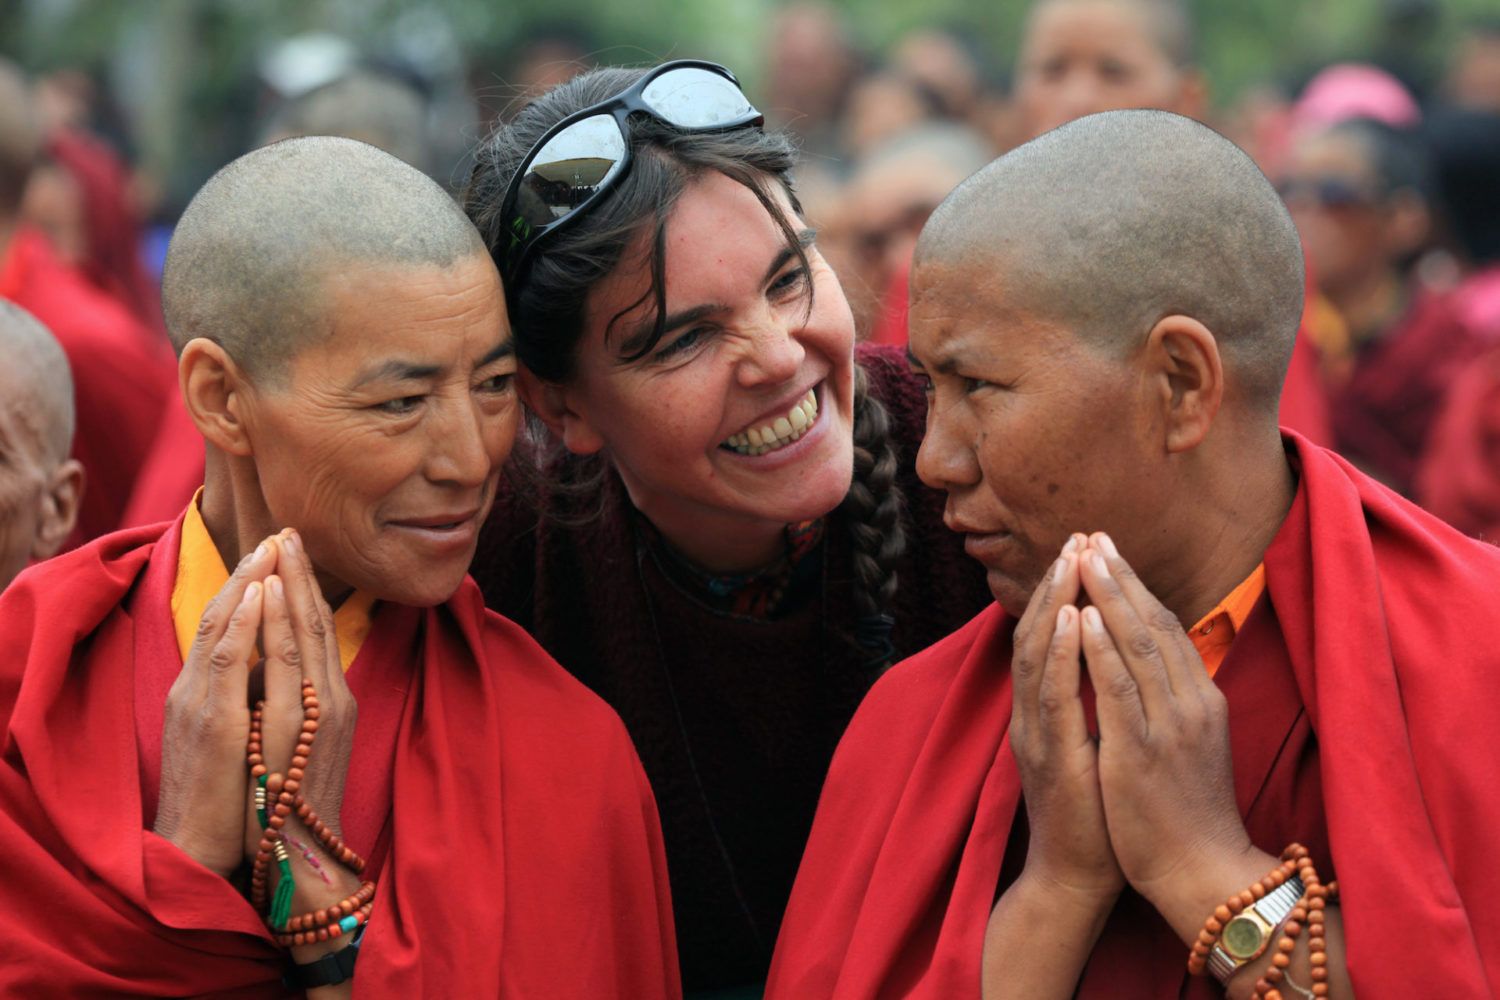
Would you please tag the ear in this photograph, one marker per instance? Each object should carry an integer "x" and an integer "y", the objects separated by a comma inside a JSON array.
[
  {"x": 560, "y": 410},
  {"x": 215, "y": 390},
  {"x": 1186, "y": 357},
  {"x": 59, "y": 511}
]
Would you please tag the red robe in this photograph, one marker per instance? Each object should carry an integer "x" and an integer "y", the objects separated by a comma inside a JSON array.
[
  {"x": 1361, "y": 699},
  {"x": 501, "y": 806},
  {"x": 1382, "y": 416},
  {"x": 122, "y": 374},
  {"x": 1459, "y": 479}
]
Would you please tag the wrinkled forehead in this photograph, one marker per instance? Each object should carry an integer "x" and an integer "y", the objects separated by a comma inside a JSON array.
[{"x": 353, "y": 314}]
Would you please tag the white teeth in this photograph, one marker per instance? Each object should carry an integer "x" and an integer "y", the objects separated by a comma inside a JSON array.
[{"x": 780, "y": 432}]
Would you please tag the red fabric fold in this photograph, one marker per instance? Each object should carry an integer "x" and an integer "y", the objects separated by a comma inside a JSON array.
[
  {"x": 520, "y": 855},
  {"x": 1360, "y": 708}
]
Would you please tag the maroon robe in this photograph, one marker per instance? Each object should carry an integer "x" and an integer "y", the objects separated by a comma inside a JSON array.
[
  {"x": 1360, "y": 705},
  {"x": 503, "y": 812}
]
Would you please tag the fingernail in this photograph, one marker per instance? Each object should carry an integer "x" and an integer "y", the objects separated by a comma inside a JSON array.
[
  {"x": 1092, "y": 620},
  {"x": 290, "y": 545},
  {"x": 252, "y": 592},
  {"x": 1064, "y": 619},
  {"x": 1072, "y": 544},
  {"x": 1097, "y": 561},
  {"x": 1103, "y": 541},
  {"x": 1057, "y": 569},
  {"x": 275, "y": 584}
]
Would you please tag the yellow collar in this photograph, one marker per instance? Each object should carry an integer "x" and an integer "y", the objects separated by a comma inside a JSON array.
[{"x": 201, "y": 574}]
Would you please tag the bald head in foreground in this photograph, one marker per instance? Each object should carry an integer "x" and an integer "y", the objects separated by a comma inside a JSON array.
[
  {"x": 1211, "y": 641},
  {"x": 345, "y": 355},
  {"x": 40, "y": 486}
]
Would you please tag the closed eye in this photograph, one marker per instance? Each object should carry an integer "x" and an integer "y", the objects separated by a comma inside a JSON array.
[
  {"x": 790, "y": 283},
  {"x": 689, "y": 339}
]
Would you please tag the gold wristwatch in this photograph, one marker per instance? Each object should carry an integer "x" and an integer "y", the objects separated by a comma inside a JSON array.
[{"x": 1249, "y": 933}]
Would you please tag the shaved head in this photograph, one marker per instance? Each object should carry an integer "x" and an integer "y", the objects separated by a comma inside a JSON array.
[
  {"x": 1112, "y": 222},
  {"x": 249, "y": 259},
  {"x": 38, "y": 384}
]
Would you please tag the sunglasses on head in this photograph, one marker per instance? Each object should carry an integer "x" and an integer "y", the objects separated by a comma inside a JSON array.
[{"x": 581, "y": 157}]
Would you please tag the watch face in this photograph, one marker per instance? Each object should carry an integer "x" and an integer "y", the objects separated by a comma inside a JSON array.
[{"x": 1243, "y": 937}]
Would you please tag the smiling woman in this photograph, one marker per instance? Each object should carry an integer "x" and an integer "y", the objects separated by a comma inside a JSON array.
[{"x": 721, "y": 500}]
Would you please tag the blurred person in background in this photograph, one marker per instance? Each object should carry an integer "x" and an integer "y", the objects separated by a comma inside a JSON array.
[
  {"x": 941, "y": 61},
  {"x": 812, "y": 66},
  {"x": 1082, "y": 56},
  {"x": 882, "y": 210},
  {"x": 1460, "y": 475},
  {"x": 729, "y": 574},
  {"x": 1079, "y": 57},
  {"x": 82, "y": 197},
  {"x": 1473, "y": 79},
  {"x": 378, "y": 108},
  {"x": 122, "y": 374},
  {"x": 1360, "y": 194},
  {"x": 40, "y": 486}
]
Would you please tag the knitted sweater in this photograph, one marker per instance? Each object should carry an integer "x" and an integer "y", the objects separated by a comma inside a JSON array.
[{"x": 735, "y": 719}]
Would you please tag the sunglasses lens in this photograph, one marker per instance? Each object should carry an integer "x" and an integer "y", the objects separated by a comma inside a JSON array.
[
  {"x": 697, "y": 98},
  {"x": 573, "y": 165}
]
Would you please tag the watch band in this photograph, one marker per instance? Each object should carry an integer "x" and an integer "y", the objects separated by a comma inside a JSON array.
[
  {"x": 330, "y": 970},
  {"x": 1271, "y": 909}
]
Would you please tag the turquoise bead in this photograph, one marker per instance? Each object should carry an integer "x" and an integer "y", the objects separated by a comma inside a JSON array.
[{"x": 348, "y": 924}]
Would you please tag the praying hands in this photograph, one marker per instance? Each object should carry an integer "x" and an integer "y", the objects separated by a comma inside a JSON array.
[
  {"x": 1148, "y": 801},
  {"x": 208, "y": 806}
]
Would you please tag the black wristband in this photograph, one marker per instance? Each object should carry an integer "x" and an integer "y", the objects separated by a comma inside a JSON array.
[{"x": 330, "y": 970}]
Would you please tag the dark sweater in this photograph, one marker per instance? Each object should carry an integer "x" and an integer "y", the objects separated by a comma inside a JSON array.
[{"x": 735, "y": 719}]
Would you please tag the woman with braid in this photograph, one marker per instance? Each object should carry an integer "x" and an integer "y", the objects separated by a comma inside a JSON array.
[{"x": 723, "y": 535}]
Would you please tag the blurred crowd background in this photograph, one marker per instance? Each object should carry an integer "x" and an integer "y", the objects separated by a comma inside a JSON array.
[{"x": 1379, "y": 120}]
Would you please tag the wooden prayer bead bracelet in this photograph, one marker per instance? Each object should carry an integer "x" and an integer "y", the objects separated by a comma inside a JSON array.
[
  {"x": 1309, "y": 912},
  {"x": 277, "y": 798}
]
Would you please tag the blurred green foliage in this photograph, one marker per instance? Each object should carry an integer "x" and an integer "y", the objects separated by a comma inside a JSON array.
[{"x": 187, "y": 67}]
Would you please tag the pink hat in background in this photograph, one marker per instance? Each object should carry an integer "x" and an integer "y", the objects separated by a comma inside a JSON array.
[{"x": 1353, "y": 90}]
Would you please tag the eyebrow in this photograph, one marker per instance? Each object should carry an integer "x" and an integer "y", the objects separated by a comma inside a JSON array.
[
  {"x": 643, "y": 329},
  {"x": 397, "y": 370}
]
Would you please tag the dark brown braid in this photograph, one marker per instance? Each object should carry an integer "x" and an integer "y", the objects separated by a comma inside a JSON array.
[{"x": 874, "y": 508}]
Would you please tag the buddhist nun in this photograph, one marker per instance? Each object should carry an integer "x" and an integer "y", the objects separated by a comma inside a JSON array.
[
  {"x": 180, "y": 816},
  {"x": 1227, "y": 713},
  {"x": 40, "y": 486}
]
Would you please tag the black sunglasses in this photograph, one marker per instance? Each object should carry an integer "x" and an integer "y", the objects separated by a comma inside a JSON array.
[{"x": 584, "y": 155}]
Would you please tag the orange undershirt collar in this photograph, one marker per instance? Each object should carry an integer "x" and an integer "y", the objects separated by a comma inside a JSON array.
[
  {"x": 1215, "y": 631},
  {"x": 201, "y": 574}
]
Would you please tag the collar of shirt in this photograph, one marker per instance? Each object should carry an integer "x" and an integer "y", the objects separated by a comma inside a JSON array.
[
  {"x": 1215, "y": 631},
  {"x": 201, "y": 574}
]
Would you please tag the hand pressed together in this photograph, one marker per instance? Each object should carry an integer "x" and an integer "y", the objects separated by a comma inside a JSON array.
[
  {"x": 1158, "y": 791},
  {"x": 272, "y": 600}
]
